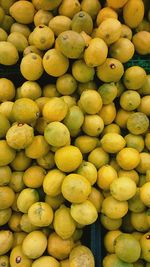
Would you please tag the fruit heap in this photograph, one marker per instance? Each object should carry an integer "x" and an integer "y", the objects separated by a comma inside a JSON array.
[{"x": 74, "y": 136}]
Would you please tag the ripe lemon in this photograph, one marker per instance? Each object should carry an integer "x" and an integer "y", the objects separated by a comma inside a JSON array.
[
  {"x": 126, "y": 32},
  {"x": 132, "y": 174},
  {"x": 113, "y": 260},
  {"x": 30, "y": 174},
  {"x": 86, "y": 143},
  {"x": 123, "y": 188},
  {"x": 9, "y": 92},
  {"x": 31, "y": 61},
  {"x": 109, "y": 30},
  {"x": 110, "y": 224},
  {"x": 106, "y": 175},
  {"x": 113, "y": 142},
  {"x": 134, "y": 78},
  {"x": 68, "y": 158},
  {"x": 40, "y": 214},
  {"x": 135, "y": 141},
  {"x": 59, "y": 24},
  {"x": 81, "y": 255},
  {"x": 91, "y": 8},
  {"x": 116, "y": 3},
  {"x": 81, "y": 72},
  {"x": 55, "y": 202},
  {"x": 84, "y": 213},
  {"x": 108, "y": 113},
  {"x": 26, "y": 198},
  {"x": 5, "y": 175},
  {"x": 66, "y": 84},
  {"x": 7, "y": 197},
  {"x": 55, "y": 63},
  {"x": 145, "y": 194},
  {"x": 91, "y": 101},
  {"x": 76, "y": 188},
  {"x": 98, "y": 157},
  {"x": 88, "y": 170},
  {"x": 111, "y": 128},
  {"x": 128, "y": 158},
  {"x": 109, "y": 240},
  {"x": 122, "y": 117},
  {"x": 57, "y": 134},
  {"x": 105, "y": 13},
  {"x": 64, "y": 228},
  {"x": 110, "y": 71},
  {"x": 122, "y": 49},
  {"x": 55, "y": 109},
  {"x": 144, "y": 106},
  {"x": 141, "y": 42},
  {"x": 147, "y": 141},
  {"x": 108, "y": 92},
  {"x": 38, "y": 148},
  {"x": 52, "y": 182},
  {"x": 133, "y": 13},
  {"x": 144, "y": 242},
  {"x": 96, "y": 47},
  {"x": 93, "y": 125},
  {"x": 137, "y": 123},
  {"x": 7, "y": 154},
  {"x": 34, "y": 244},
  {"x": 130, "y": 100},
  {"x": 139, "y": 221},
  {"x": 96, "y": 197},
  {"x": 59, "y": 248},
  {"x": 114, "y": 208},
  {"x": 17, "y": 257}
]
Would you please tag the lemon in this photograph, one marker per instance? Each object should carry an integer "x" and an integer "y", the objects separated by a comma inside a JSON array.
[
  {"x": 26, "y": 198},
  {"x": 18, "y": 40},
  {"x": 40, "y": 214},
  {"x": 96, "y": 197},
  {"x": 88, "y": 170},
  {"x": 25, "y": 110},
  {"x": 30, "y": 174},
  {"x": 5, "y": 216},
  {"x": 110, "y": 224},
  {"x": 108, "y": 113},
  {"x": 52, "y": 182},
  {"x": 135, "y": 141},
  {"x": 54, "y": 202},
  {"x": 128, "y": 158},
  {"x": 106, "y": 175},
  {"x": 9, "y": 92},
  {"x": 59, "y": 24},
  {"x": 130, "y": 100},
  {"x": 113, "y": 260},
  {"x": 6, "y": 241},
  {"x": 7, "y": 154},
  {"x": 19, "y": 10},
  {"x": 113, "y": 142},
  {"x": 86, "y": 143},
  {"x": 5, "y": 125},
  {"x": 81, "y": 255},
  {"x": 82, "y": 21},
  {"x": 93, "y": 125},
  {"x": 31, "y": 61},
  {"x": 123, "y": 188},
  {"x": 139, "y": 221},
  {"x": 17, "y": 257},
  {"x": 133, "y": 13},
  {"x": 111, "y": 128},
  {"x": 91, "y": 8},
  {"x": 38, "y": 148},
  {"x": 3, "y": 34},
  {"x": 137, "y": 123},
  {"x": 26, "y": 225},
  {"x": 145, "y": 194},
  {"x": 34, "y": 244},
  {"x": 127, "y": 248},
  {"x": 59, "y": 248},
  {"x": 8, "y": 53},
  {"x": 64, "y": 228},
  {"x": 42, "y": 17},
  {"x": 96, "y": 46},
  {"x": 110, "y": 71},
  {"x": 122, "y": 49},
  {"x": 98, "y": 157},
  {"x": 57, "y": 134},
  {"x": 144, "y": 242},
  {"x": 68, "y": 158},
  {"x": 116, "y": 4},
  {"x": 43, "y": 37},
  {"x": 126, "y": 32},
  {"x": 141, "y": 42},
  {"x": 113, "y": 208},
  {"x": 91, "y": 101},
  {"x": 144, "y": 105},
  {"x": 105, "y": 13},
  {"x": 109, "y": 30},
  {"x": 147, "y": 141},
  {"x": 55, "y": 109},
  {"x": 135, "y": 203},
  {"x": 134, "y": 77},
  {"x": 122, "y": 117},
  {"x": 109, "y": 240},
  {"x": 84, "y": 213},
  {"x": 76, "y": 188},
  {"x": 31, "y": 90},
  {"x": 55, "y": 63},
  {"x": 46, "y": 261},
  {"x": 66, "y": 84},
  {"x": 81, "y": 72},
  {"x": 108, "y": 92},
  {"x": 21, "y": 161},
  {"x": 16, "y": 182},
  {"x": 4, "y": 260}
]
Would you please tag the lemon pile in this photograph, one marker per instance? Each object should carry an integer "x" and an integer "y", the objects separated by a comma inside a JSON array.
[{"x": 74, "y": 136}]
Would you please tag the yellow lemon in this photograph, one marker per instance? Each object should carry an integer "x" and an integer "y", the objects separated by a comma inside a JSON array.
[
  {"x": 52, "y": 182},
  {"x": 113, "y": 142},
  {"x": 55, "y": 109},
  {"x": 134, "y": 77},
  {"x": 98, "y": 157},
  {"x": 113, "y": 208},
  {"x": 106, "y": 175},
  {"x": 110, "y": 224},
  {"x": 105, "y": 13},
  {"x": 145, "y": 194},
  {"x": 128, "y": 158},
  {"x": 40, "y": 214},
  {"x": 122, "y": 49},
  {"x": 109, "y": 240}
]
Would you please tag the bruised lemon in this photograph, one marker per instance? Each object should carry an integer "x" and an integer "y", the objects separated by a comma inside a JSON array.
[{"x": 40, "y": 214}]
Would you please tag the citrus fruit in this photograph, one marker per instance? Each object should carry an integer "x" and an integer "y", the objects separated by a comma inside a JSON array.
[
  {"x": 139, "y": 221},
  {"x": 5, "y": 215},
  {"x": 126, "y": 32},
  {"x": 141, "y": 42},
  {"x": 9, "y": 92},
  {"x": 144, "y": 242},
  {"x": 122, "y": 49},
  {"x": 91, "y": 101},
  {"x": 127, "y": 248},
  {"x": 105, "y": 13},
  {"x": 57, "y": 134},
  {"x": 81, "y": 72},
  {"x": 40, "y": 214},
  {"x": 30, "y": 90},
  {"x": 93, "y": 125},
  {"x": 108, "y": 113},
  {"x": 113, "y": 260},
  {"x": 6, "y": 241},
  {"x": 130, "y": 100},
  {"x": 135, "y": 141},
  {"x": 43, "y": 37},
  {"x": 123, "y": 188},
  {"x": 98, "y": 157},
  {"x": 86, "y": 143},
  {"x": 91, "y": 8},
  {"x": 112, "y": 142},
  {"x": 108, "y": 92},
  {"x": 106, "y": 175},
  {"x": 8, "y": 53},
  {"x": 145, "y": 194},
  {"x": 34, "y": 244},
  {"x": 144, "y": 106},
  {"x": 52, "y": 182},
  {"x": 88, "y": 170},
  {"x": 110, "y": 71},
  {"x": 84, "y": 213},
  {"x": 66, "y": 84},
  {"x": 110, "y": 224},
  {"x": 96, "y": 198},
  {"x": 68, "y": 158},
  {"x": 81, "y": 255},
  {"x": 31, "y": 61},
  {"x": 109, "y": 240},
  {"x": 133, "y": 13},
  {"x": 38, "y": 148},
  {"x": 75, "y": 188},
  {"x": 128, "y": 158},
  {"x": 19, "y": 12},
  {"x": 26, "y": 198},
  {"x": 134, "y": 77},
  {"x": 113, "y": 208},
  {"x": 46, "y": 261},
  {"x": 59, "y": 24},
  {"x": 137, "y": 123},
  {"x": 69, "y": 8},
  {"x": 136, "y": 205},
  {"x": 82, "y": 21},
  {"x": 55, "y": 109}
]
